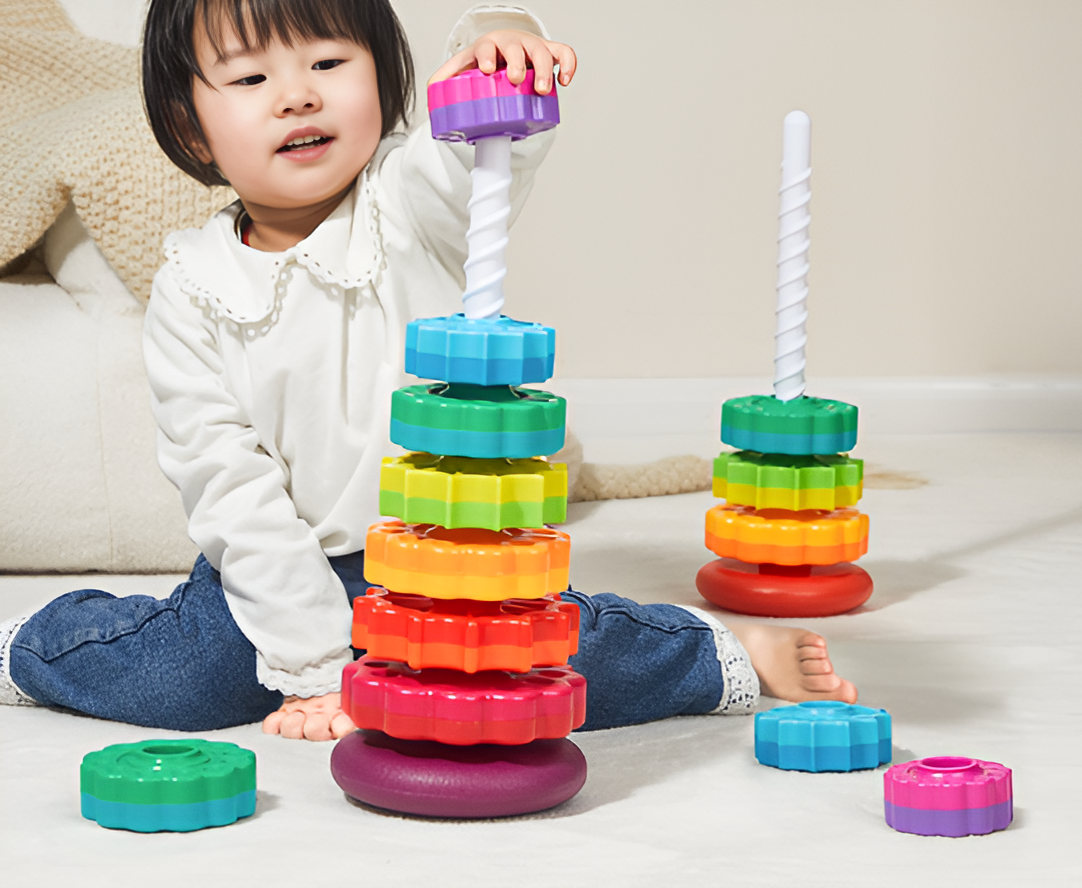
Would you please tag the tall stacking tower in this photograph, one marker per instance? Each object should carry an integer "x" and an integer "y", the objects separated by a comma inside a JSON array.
[
  {"x": 465, "y": 699},
  {"x": 788, "y": 531}
]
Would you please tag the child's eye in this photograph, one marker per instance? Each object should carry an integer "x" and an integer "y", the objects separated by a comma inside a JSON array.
[
  {"x": 250, "y": 81},
  {"x": 326, "y": 64}
]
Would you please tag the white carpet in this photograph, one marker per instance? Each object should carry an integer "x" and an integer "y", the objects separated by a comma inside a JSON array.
[{"x": 971, "y": 642}]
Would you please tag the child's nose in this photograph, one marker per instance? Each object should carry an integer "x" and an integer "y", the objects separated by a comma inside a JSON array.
[{"x": 299, "y": 98}]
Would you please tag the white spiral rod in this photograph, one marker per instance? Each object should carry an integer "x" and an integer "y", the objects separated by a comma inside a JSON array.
[
  {"x": 794, "y": 219},
  {"x": 490, "y": 208}
]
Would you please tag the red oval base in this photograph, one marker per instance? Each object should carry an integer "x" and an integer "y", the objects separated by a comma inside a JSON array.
[
  {"x": 767, "y": 590},
  {"x": 435, "y": 780}
]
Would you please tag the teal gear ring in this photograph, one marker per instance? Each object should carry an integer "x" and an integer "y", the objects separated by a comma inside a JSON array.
[{"x": 481, "y": 351}]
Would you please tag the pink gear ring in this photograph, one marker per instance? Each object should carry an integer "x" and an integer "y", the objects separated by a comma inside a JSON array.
[
  {"x": 948, "y": 796},
  {"x": 473, "y": 105},
  {"x": 463, "y": 708},
  {"x": 436, "y": 780}
]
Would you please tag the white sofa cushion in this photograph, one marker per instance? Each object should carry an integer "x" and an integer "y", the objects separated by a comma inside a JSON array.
[{"x": 80, "y": 489}]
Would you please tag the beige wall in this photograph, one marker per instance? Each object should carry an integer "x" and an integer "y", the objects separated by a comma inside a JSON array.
[{"x": 946, "y": 188}]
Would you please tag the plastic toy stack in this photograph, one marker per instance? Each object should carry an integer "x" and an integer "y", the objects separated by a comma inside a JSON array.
[
  {"x": 788, "y": 532},
  {"x": 467, "y": 642}
]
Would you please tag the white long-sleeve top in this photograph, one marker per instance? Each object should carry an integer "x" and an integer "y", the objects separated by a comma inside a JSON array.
[{"x": 271, "y": 377}]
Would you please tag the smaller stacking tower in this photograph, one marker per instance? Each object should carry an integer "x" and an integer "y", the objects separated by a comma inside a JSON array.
[
  {"x": 465, "y": 698},
  {"x": 787, "y": 532}
]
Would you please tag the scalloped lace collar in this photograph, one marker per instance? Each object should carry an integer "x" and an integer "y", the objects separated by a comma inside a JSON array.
[{"x": 230, "y": 280}]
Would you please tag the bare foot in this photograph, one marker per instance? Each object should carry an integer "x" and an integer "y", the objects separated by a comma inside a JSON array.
[{"x": 792, "y": 664}]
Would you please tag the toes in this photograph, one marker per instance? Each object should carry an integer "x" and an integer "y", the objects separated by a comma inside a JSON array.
[
  {"x": 816, "y": 667},
  {"x": 821, "y": 684},
  {"x": 811, "y": 639},
  {"x": 830, "y": 687},
  {"x": 807, "y": 652},
  {"x": 848, "y": 692}
]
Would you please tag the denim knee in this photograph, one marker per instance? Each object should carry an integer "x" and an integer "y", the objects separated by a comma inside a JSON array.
[
  {"x": 643, "y": 662},
  {"x": 180, "y": 663}
]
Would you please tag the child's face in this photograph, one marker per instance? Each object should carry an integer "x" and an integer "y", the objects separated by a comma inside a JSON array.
[{"x": 260, "y": 101}]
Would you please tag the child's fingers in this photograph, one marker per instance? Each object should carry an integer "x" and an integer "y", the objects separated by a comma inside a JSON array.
[
  {"x": 567, "y": 60},
  {"x": 511, "y": 48},
  {"x": 292, "y": 724},
  {"x": 317, "y": 726},
  {"x": 273, "y": 721},
  {"x": 341, "y": 725},
  {"x": 517, "y": 50},
  {"x": 486, "y": 55},
  {"x": 460, "y": 61}
]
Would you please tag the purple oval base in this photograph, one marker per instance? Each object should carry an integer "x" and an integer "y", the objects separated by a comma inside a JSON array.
[{"x": 436, "y": 780}]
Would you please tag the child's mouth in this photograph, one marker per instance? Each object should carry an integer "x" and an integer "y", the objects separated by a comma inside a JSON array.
[{"x": 303, "y": 142}]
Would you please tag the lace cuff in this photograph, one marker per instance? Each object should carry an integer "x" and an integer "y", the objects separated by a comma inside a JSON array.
[
  {"x": 314, "y": 681},
  {"x": 10, "y": 693},
  {"x": 740, "y": 693}
]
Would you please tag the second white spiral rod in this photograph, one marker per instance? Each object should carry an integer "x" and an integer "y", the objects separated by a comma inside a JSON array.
[{"x": 794, "y": 219}]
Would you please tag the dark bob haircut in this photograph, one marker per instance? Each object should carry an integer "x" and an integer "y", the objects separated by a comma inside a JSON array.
[{"x": 169, "y": 62}]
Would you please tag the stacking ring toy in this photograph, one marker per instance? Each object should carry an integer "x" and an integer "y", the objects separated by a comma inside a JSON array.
[
  {"x": 948, "y": 796},
  {"x": 434, "y": 780},
  {"x": 477, "y": 421},
  {"x": 470, "y": 636},
  {"x": 484, "y": 565},
  {"x": 481, "y": 351},
  {"x": 474, "y": 105},
  {"x": 455, "y": 491},
  {"x": 825, "y": 735},
  {"x": 796, "y": 483},
  {"x": 803, "y": 426},
  {"x": 778, "y": 536},
  {"x": 168, "y": 785},
  {"x": 775, "y": 590},
  {"x": 461, "y": 708}
]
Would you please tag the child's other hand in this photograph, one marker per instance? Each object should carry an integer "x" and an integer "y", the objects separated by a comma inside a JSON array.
[
  {"x": 516, "y": 48},
  {"x": 309, "y": 718}
]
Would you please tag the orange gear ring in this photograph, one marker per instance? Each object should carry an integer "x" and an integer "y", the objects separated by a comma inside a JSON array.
[
  {"x": 482, "y": 565},
  {"x": 778, "y": 536},
  {"x": 470, "y": 636}
]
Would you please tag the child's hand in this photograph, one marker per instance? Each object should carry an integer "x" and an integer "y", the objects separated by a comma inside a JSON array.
[
  {"x": 516, "y": 48},
  {"x": 309, "y": 718}
]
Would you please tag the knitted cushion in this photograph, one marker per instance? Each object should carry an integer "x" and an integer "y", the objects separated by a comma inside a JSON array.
[{"x": 74, "y": 129}]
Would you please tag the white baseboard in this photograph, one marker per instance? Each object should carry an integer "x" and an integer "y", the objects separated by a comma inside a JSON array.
[{"x": 621, "y": 420}]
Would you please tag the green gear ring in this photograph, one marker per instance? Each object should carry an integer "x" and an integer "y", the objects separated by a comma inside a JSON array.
[
  {"x": 477, "y": 421},
  {"x": 803, "y": 426},
  {"x": 168, "y": 785}
]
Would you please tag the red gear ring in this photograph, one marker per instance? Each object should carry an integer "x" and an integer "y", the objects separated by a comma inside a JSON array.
[{"x": 463, "y": 709}]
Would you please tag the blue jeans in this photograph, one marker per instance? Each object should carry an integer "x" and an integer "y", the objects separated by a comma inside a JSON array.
[{"x": 182, "y": 664}]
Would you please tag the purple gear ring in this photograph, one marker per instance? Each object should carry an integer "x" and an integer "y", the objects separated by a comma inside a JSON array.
[
  {"x": 472, "y": 105},
  {"x": 431, "y": 779}
]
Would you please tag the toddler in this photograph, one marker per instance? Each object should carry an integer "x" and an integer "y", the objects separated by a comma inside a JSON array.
[{"x": 273, "y": 340}]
